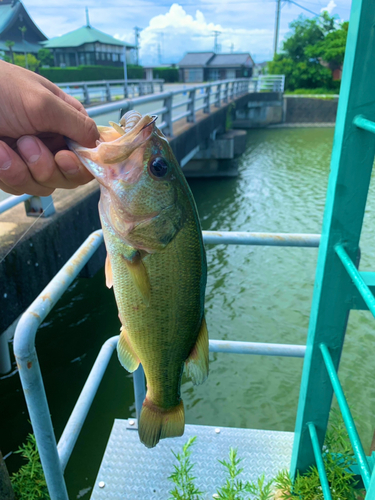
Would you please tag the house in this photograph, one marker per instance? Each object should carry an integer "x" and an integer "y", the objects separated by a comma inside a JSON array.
[
  {"x": 208, "y": 66},
  {"x": 89, "y": 46},
  {"x": 14, "y": 16}
]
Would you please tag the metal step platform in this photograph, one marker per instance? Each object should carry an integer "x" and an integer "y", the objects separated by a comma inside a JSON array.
[{"x": 130, "y": 471}]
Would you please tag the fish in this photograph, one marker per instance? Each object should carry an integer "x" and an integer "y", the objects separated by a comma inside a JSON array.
[{"x": 156, "y": 263}]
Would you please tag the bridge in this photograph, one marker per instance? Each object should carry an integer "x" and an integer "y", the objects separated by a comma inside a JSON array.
[{"x": 200, "y": 122}]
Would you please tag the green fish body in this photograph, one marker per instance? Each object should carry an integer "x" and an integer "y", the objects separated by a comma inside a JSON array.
[{"x": 156, "y": 263}]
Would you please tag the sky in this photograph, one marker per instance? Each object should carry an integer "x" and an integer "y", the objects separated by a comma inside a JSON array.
[{"x": 169, "y": 30}]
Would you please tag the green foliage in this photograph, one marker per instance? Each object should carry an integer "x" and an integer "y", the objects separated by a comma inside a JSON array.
[
  {"x": 235, "y": 489},
  {"x": 317, "y": 92},
  {"x": 233, "y": 486},
  {"x": 338, "y": 459},
  {"x": 182, "y": 477},
  {"x": 313, "y": 49},
  {"x": 9, "y": 44},
  {"x": 32, "y": 61},
  {"x": 29, "y": 482},
  {"x": 45, "y": 57},
  {"x": 169, "y": 75},
  {"x": 91, "y": 73}
]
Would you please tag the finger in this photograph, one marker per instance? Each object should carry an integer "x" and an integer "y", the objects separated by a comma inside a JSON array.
[
  {"x": 64, "y": 119},
  {"x": 73, "y": 102},
  {"x": 72, "y": 168},
  {"x": 9, "y": 190},
  {"x": 41, "y": 163},
  {"x": 16, "y": 176}
]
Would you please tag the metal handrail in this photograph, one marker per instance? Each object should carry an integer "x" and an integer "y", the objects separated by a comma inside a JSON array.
[
  {"x": 34, "y": 205},
  {"x": 83, "y": 88},
  {"x": 232, "y": 89},
  {"x": 54, "y": 458}
]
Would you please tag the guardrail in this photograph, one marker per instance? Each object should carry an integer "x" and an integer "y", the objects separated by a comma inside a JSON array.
[
  {"x": 35, "y": 206},
  {"x": 199, "y": 98},
  {"x": 105, "y": 90},
  {"x": 268, "y": 83},
  {"x": 54, "y": 457}
]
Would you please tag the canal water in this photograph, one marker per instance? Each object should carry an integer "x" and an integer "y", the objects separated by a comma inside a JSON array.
[{"x": 259, "y": 294}]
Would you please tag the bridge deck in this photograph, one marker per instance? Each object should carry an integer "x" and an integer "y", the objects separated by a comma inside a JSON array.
[{"x": 129, "y": 470}]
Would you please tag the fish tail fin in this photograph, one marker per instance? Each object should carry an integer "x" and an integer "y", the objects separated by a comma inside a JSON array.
[{"x": 156, "y": 423}]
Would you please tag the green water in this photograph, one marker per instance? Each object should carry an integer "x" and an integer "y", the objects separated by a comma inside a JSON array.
[{"x": 253, "y": 293}]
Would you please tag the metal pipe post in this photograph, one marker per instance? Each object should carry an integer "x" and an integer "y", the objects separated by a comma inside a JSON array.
[
  {"x": 5, "y": 361},
  {"x": 139, "y": 389},
  {"x": 347, "y": 417},
  {"x": 319, "y": 462},
  {"x": 167, "y": 116},
  {"x": 191, "y": 107},
  {"x": 78, "y": 416}
]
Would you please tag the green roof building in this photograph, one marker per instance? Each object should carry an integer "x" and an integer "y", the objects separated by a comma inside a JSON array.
[
  {"x": 14, "y": 16},
  {"x": 89, "y": 46}
]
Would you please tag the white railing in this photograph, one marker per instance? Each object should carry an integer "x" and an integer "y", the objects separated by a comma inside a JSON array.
[
  {"x": 268, "y": 83},
  {"x": 198, "y": 98},
  {"x": 108, "y": 90}
]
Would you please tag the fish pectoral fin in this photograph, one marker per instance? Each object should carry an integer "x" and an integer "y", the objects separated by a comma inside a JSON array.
[
  {"x": 108, "y": 273},
  {"x": 125, "y": 352},
  {"x": 140, "y": 278},
  {"x": 196, "y": 366}
]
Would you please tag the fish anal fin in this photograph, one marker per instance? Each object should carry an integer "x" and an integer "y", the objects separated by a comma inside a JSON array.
[
  {"x": 125, "y": 352},
  {"x": 108, "y": 273},
  {"x": 196, "y": 366},
  {"x": 157, "y": 423},
  {"x": 140, "y": 278}
]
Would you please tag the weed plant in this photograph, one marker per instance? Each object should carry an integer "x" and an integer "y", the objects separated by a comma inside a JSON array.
[
  {"x": 29, "y": 482},
  {"x": 185, "y": 488}
]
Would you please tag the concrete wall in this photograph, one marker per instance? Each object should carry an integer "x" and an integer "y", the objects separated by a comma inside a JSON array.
[
  {"x": 262, "y": 109},
  {"x": 309, "y": 110}
]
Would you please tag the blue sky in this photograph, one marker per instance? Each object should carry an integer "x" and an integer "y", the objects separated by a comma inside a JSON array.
[{"x": 171, "y": 29}]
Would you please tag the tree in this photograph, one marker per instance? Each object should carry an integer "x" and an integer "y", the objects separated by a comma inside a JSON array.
[
  {"x": 9, "y": 44},
  {"x": 31, "y": 63},
  {"x": 311, "y": 43},
  {"x": 23, "y": 30},
  {"x": 45, "y": 57}
]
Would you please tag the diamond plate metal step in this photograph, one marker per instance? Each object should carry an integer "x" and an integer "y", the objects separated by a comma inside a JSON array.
[{"x": 130, "y": 471}]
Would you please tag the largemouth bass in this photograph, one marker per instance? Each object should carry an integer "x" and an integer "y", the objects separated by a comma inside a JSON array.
[{"x": 156, "y": 263}]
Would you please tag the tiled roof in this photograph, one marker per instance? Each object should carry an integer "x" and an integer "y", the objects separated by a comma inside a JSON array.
[
  {"x": 227, "y": 60},
  {"x": 86, "y": 34},
  {"x": 196, "y": 59}
]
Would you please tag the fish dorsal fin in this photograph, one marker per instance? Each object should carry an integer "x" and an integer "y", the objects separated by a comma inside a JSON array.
[
  {"x": 140, "y": 278},
  {"x": 196, "y": 366},
  {"x": 126, "y": 354},
  {"x": 108, "y": 273}
]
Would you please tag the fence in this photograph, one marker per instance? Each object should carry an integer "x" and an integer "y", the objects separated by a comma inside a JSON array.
[{"x": 106, "y": 90}]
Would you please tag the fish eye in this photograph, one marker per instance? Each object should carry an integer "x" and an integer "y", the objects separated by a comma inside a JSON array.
[{"x": 158, "y": 167}]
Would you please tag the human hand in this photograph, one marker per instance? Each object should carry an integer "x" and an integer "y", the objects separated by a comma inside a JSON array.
[{"x": 35, "y": 115}]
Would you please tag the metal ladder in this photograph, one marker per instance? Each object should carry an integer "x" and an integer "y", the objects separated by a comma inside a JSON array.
[{"x": 339, "y": 286}]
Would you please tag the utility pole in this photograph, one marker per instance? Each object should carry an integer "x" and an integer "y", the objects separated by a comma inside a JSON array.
[
  {"x": 136, "y": 36},
  {"x": 277, "y": 22},
  {"x": 231, "y": 48},
  {"x": 216, "y": 45}
]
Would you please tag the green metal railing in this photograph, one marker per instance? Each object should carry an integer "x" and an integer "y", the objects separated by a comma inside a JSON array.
[{"x": 339, "y": 286}]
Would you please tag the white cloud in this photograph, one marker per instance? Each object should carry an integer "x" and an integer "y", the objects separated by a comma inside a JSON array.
[
  {"x": 331, "y": 5},
  {"x": 177, "y": 32}
]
